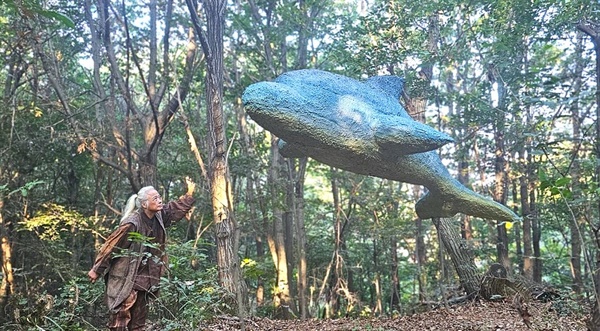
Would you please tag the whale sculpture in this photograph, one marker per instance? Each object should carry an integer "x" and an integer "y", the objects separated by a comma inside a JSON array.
[{"x": 361, "y": 127}]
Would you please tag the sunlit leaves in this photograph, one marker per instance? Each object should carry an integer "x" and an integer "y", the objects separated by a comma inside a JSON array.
[
  {"x": 55, "y": 221},
  {"x": 555, "y": 188}
]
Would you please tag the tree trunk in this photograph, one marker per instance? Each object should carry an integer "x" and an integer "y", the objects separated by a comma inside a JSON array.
[
  {"x": 288, "y": 241},
  {"x": 578, "y": 217},
  {"x": 302, "y": 283},
  {"x": 536, "y": 231},
  {"x": 394, "y": 212},
  {"x": 289, "y": 168},
  {"x": 460, "y": 254},
  {"x": 395, "y": 281},
  {"x": 337, "y": 254},
  {"x": 282, "y": 297},
  {"x": 281, "y": 294},
  {"x": 378, "y": 309},
  {"x": 421, "y": 259},
  {"x": 528, "y": 261},
  {"x": 517, "y": 227},
  {"x": 592, "y": 29},
  {"x": 500, "y": 171},
  {"x": 337, "y": 283},
  {"x": 227, "y": 230},
  {"x": 7, "y": 287}
]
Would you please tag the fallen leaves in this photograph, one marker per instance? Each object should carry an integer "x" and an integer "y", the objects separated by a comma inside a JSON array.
[{"x": 477, "y": 316}]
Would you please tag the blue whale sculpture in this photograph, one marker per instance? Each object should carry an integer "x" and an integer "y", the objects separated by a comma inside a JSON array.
[{"x": 361, "y": 127}]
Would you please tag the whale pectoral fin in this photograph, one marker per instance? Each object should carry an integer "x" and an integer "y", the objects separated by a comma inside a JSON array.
[
  {"x": 401, "y": 136},
  {"x": 290, "y": 150}
]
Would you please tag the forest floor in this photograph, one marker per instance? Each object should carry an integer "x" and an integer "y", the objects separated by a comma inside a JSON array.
[{"x": 473, "y": 316}]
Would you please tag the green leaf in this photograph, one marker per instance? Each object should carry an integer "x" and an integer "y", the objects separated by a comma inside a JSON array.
[
  {"x": 563, "y": 181},
  {"x": 57, "y": 16}
]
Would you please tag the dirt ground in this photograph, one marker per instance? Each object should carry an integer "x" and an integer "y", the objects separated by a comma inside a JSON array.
[{"x": 480, "y": 316}]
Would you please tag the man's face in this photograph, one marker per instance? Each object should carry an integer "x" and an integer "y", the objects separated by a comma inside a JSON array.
[{"x": 154, "y": 202}]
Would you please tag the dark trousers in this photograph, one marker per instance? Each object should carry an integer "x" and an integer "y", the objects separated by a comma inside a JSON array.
[{"x": 132, "y": 313}]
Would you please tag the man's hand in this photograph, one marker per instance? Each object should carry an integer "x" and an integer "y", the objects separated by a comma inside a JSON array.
[
  {"x": 93, "y": 276},
  {"x": 191, "y": 186}
]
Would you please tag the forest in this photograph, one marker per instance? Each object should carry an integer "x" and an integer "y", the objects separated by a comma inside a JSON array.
[{"x": 101, "y": 98}]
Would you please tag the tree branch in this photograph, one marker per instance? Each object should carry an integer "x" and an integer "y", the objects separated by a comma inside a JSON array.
[{"x": 198, "y": 29}]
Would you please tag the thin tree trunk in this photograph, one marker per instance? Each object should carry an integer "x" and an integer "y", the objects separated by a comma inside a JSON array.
[
  {"x": 500, "y": 171},
  {"x": 227, "y": 230},
  {"x": 536, "y": 230},
  {"x": 395, "y": 281},
  {"x": 7, "y": 287},
  {"x": 301, "y": 237},
  {"x": 378, "y": 309},
  {"x": 281, "y": 294},
  {"x": 528, "y": 261},
  {"x": 288, "y": 241},
  {"x": 578, "y": 218},
  {"x": 337, "y": 232},
  {"x": 421, "y": 259},
  {"x": 517, "y": 228},
  {"x": 592, "y": 29}
]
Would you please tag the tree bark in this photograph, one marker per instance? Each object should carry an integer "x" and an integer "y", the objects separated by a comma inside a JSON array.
[
  {"x": 395, "y": 281},
  {"x": 528, "y": 258},
  {"x": 220, "y": 183},
  {"x": 337, "y": 249},
  {"x": 501, "y": 174},
  {"x": 578, "y": 217},
  {"x": 517, "y": 227},
  {"x": 300, "y": 233},
  {"x": 536, "y": 232},
  {"x": 378, "y": 309},
  {"x": 7, "y": 287},
  {"x": 592, "y": 29},
  {"x": 281, "y": 294},
  {"x": 460, "y": 254},
  {"x": 227, "y": 230},
  {"x": 395, "y": 296}
]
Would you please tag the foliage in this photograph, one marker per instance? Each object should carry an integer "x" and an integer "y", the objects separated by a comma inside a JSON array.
[
  {"x": 31, "y": 7},
  {"x": 190, "y": 293},
  {"x": 52, "y": 221},
  {"x": 74, "y": 307},
  {"x": 188, "y": 297}
]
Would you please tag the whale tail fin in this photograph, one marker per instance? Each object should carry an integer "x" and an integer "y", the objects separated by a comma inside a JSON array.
[{"x": 433, "y": 205}]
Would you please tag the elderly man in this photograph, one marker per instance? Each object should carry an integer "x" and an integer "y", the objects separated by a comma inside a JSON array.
[{"x": 133, "y": 257}]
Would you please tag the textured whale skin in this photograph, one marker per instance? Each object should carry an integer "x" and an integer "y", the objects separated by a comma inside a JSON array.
[{"x": 361, "y": 127}]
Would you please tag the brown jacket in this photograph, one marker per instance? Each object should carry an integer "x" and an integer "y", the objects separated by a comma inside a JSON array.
[{"x": 123, "y": 255}]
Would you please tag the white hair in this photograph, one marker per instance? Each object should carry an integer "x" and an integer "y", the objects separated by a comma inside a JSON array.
[{"x": 136, "y": 201}]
